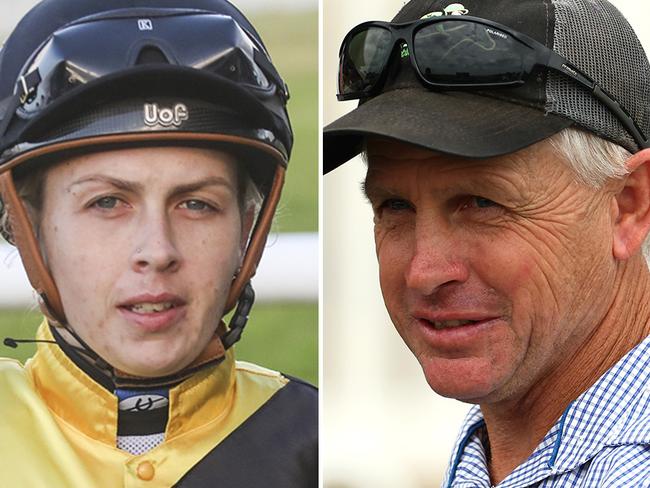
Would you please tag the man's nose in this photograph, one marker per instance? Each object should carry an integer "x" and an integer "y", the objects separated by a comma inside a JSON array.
[
  {"x": 436, "y": 259},
  {"x": 155, "y": 248}
]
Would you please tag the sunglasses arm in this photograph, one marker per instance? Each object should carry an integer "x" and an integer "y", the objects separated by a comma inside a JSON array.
[
  {"x": 562, "y": 65},
  {"x": 622, "y": 115}
]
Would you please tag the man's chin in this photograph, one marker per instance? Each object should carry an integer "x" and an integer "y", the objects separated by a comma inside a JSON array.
[
  {"x": 150, "y": 362},
  {"x": 467, "y": 380}
]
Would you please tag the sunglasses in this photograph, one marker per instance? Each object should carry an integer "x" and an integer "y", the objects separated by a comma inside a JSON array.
[{"x": 456, "y": 53}]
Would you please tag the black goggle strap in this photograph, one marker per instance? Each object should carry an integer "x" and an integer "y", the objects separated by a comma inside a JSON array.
[
  {"x": 240, "y": 317},
  {"x": 27, "y": 84},
  {"x": 265, "y": 65}
]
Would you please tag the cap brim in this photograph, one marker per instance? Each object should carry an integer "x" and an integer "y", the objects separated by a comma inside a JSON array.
[{"x": 457, "y": 123}]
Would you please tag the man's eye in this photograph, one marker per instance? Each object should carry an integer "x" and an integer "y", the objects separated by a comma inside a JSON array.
[
  {"x": 197, "y": 205},
  {"x": 481, "y": 202},
  {"x": 396, "y": 204},
  {"x": 476, "y": 202},
  {"x": 106, "y": 203}
]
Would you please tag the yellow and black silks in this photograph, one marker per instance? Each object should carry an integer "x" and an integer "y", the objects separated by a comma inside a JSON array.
[{"x": 233, "y": 425}]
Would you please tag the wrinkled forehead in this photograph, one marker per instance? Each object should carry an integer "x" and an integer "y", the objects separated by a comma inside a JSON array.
[
  {"x": 398, "y": 168},
  {"x": 384, "y": 155}
]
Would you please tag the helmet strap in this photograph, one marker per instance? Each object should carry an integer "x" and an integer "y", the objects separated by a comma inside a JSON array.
[
  {"x": 94, "y": 365},
  {"x": 240, "y": 317},
  {"x": 30, "y": 253},
  {"x": 258, "y": 240}
]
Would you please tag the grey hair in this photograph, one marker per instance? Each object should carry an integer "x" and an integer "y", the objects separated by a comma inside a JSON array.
[{"x": 594, "y": 161}]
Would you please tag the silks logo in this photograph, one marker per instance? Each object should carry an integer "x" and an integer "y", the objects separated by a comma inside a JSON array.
[
  {"x": 453, "y": 9},
  {"x": 142, "y": 402},
  {"x": 154, "y": 115}
]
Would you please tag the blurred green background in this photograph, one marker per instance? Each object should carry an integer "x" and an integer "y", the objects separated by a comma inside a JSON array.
[{"x": 282, "y": 336}]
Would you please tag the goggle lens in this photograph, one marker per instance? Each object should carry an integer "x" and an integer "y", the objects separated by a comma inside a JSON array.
[{"x": 209, "y": 42}]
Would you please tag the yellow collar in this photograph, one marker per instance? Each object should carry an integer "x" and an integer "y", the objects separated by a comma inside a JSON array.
[{"x": 85, "y": 405}]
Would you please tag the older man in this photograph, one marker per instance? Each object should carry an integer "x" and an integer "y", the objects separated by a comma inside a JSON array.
[{"x": 509, "y": 179}]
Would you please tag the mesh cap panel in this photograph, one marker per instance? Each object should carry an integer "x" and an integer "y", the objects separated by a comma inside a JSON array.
[{"x": 594, "y": 36}]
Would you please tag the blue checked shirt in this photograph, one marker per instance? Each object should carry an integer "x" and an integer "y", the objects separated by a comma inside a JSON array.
[{"x": 602, "y": 439}]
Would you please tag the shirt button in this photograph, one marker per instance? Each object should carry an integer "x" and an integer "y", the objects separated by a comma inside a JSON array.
[{"x": 145, "y": 471}]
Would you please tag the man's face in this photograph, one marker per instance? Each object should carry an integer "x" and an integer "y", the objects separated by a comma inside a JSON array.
[
  {"x": 143, "y": 244},
  {"x": 493, "y": 271}
]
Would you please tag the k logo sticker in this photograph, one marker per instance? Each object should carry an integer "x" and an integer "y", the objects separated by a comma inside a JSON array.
[{"x": 145, "y": 24}]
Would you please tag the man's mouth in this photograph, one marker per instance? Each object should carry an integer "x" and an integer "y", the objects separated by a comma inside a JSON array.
[
  {"x": 149, "y": 303},
  {"x": 449, "y": 324},
  {"x": 154, "y": 312},
  {"x": 150, "y": 307}
]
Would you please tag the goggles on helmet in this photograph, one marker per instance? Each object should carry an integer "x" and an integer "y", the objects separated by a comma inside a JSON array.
[
  {"x": 201, "y": 40},
  {"x": 105, "y": 48},
  {"x": 456, "y": 53}
]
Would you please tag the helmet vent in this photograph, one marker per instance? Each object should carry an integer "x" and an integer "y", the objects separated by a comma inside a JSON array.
[{"x": 151, "y": 55}]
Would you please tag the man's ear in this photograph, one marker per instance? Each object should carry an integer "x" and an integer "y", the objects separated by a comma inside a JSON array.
[{"x": 633, "y": 201}]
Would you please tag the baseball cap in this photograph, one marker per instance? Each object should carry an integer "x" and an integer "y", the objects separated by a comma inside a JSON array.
[{"x": 483, "y": 123}]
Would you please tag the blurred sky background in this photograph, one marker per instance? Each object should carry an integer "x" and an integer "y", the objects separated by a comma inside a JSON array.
[{"x": 384, "y": 427}]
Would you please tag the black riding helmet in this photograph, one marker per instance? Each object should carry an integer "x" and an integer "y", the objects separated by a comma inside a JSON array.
[
  {"x": 66, "y": 53},
  {"x": 89, "y": 75}
]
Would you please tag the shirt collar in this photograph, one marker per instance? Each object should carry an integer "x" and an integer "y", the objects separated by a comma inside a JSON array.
[{"x": 609, "y": 413}]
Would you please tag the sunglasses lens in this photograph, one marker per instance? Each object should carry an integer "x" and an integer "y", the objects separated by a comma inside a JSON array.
[
  {"x": 470, "y": 53},
  {"x": 363, "y": 59}
]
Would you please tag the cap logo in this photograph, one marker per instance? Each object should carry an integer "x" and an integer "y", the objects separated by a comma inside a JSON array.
[
  {"x": 453, "y": 9},
  {"x": 154, "y": 115},
  {"x": 145, "y": 24}
]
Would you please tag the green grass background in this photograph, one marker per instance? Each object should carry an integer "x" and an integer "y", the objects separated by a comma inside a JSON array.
[
  {"x": 292, "y": 40},
  {"x": 282, "y": 336}
]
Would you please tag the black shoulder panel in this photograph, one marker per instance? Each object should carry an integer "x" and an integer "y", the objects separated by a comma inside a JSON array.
[{"x": 276, "y": 447}]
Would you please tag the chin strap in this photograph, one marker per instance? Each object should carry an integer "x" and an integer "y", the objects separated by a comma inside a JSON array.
[
  {"x": 240, "y": 317},
  {"x": 96, "y": 366},
  {"x": 257, "y": 241},
  {"x": 213, "y": 354}
]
